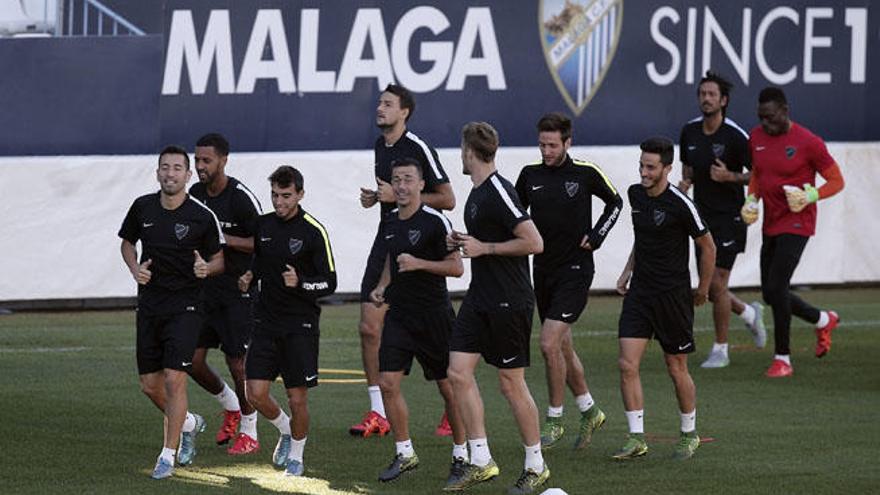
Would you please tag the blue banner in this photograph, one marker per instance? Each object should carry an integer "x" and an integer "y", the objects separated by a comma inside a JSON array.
[{"x": 305, "y": 75}]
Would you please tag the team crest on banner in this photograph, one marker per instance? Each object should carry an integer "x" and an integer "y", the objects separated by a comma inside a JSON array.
[
  {"x": 579, "y": 38},
  {"x": 295, "y": 245},
  {"x": 180, "y": 230},
  {"x": 414, "y": 236},
  {"x": 571, "y": 188}
]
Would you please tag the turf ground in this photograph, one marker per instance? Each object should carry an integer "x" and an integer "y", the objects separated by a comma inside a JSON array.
[{"x": 74, "y": 421}]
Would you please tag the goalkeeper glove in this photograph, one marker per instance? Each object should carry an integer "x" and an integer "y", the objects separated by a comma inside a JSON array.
[
  {"x": 749, "y": 211},
  {"x": 812, "y": 193}
]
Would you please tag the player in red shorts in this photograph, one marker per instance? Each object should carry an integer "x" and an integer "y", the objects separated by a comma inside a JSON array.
[{"x": 785, "y": 160}]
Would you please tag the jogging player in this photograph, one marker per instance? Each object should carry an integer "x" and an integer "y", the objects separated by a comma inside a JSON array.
[
  {"x": 395, "y": 108},
  {"x": 293, "y": 266},
  {"x": 787, "y": 156},
  {"x": 659, "y": 302},
  {"x": 559, "y": 192},
  {"x": 419, "y": 318},
  {"x": 228, "y": 312},
  {"x": 181, "y": 245},
  {"x": 715, "y": 159},
  {"x": 495, "y": 318}
]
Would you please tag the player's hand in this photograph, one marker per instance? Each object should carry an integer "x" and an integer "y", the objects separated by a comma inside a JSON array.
[
  {"x": 452, "y": 242},
  {"x": 384, "y": 192},
  {"x": 200, "y": 266},
  {"x": 623, "y": 283},
  {"x": 408, "y": 263},
  {"x": 749, "y": 211},
  {"x": 796, "y": 197},
  {"x": 700, "y": 297},
  {"x": 471, "y": 247},
  {"x": 144, "y": 274},
  {"x": 369, "y": 197},
  {"x": 684, "y": 185},
  {"x": 290, "y": 277},
  {"x": 244, "y": 281},
  {"x": 720, "y": 173},
  {"x": 811, "y": 192},
  {"x": 585, "y": 243},
  {"x": 377, "y": 295}
]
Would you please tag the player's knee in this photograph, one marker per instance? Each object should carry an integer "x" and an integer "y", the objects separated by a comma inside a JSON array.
[
  {"x": 628, "y": 368},
  {"x": 509, "y": 385},
  {"x": 550, "y": 347},
  {"x": 369, "y": 331},
  {"x": 255, "y": 396},
  {"x": 151, "y": 390},
  {"x": 298, "y": 403},
  {"x": 456, "y": 377}
]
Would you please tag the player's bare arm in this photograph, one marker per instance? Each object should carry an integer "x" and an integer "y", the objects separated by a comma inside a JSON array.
[
  {"x": 377, "y": 295},
  {"x": 526, "y": 241},
  {"x": 441, "y": 199},
  {"x": 450, "y": 266},
  {"x": 707, "y": 267},
  {"x": 626, "y": 274},
  {"x": 721, "y": 173}
]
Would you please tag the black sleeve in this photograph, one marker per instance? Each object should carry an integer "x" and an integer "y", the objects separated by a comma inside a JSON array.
[
  {"x": 694, "y": 223},
  {"x": 432, "y": 170},
  {"x": 247, "y": 211},
  {"x": 507, "y": 204},
  {"x": 682, "y": 147},
  {"x": 324, "y": 282},
  {"x": 521, "y": 189},
  {"x": 605, "y": 190},
  {"x": 131, "y": 226},
  {"x": 213, "y": 240}
]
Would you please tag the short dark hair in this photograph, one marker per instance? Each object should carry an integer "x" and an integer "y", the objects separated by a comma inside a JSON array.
[
  {"x": 481, "y": 138},
  {"x": 285, "y": 175},
  {"x": 173, "y": 149},
  {"x": 406, "y": 98},
  {"x": 215, "y": 140},
  {"x": 772, "y": 93},
  {"x": 407, "y": 162},
  {"x": 556, "y": 121},
  {"x": 660, "y": 145},
  {"x": 724, "y": 86}
]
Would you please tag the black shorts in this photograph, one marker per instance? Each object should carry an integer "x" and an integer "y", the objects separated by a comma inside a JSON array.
[
  {"x": 561, "y": 293},
  {"x": 375, "y": 264},
  {"x": 420, "y": 334},
  {"x": 668, "y": 317},
  {"x": 729, "y": 234},
  {"x": 501, "y": 335},
  {"x": 288, "y": 348},
  {"x": 167, "y": 341},
  {"x": 228, "y": 324}
]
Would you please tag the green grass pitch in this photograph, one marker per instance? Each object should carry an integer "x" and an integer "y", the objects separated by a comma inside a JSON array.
[{"x": 74, "y": 421}]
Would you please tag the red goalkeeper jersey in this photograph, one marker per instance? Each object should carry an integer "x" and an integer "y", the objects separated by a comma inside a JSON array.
[{"x": 792, "y": 159}]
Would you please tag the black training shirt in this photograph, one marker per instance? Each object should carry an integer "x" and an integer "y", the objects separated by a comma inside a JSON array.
[
  {"x": 491, "y": 213},
  {"x": 422, "y": 235},
  {"x": 408, "y": 146},
  {"x": 730, "y": 143},
  {"x": 560, "y": 201},
  {"x": 169, "y": 238},
  {"x": 663, "y": 226},
  {"x": 237, "y": 209},
  {"x": 301, "y": 242}
]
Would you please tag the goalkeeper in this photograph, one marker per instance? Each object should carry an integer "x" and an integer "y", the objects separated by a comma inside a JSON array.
[{"x": 785, "y": 160}]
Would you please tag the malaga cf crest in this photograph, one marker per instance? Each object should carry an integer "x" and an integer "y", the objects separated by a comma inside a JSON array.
[{"x": 579, "y": 38}]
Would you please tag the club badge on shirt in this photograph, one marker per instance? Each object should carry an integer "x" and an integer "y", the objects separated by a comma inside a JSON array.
[
  {"x": 659, "y": 217},
  {"x": 295, "y": 245},
  {"x": 571, "y": 188},
  {"x": 414, "y": 236},
  {"x": 180, "y": 230}
]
